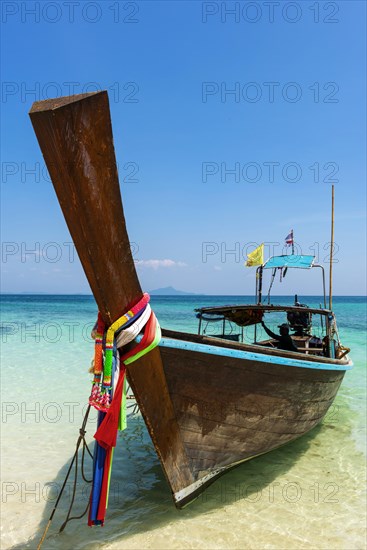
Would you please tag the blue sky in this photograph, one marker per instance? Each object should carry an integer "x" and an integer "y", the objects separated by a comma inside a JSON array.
[{"x": 231, "y": 121}]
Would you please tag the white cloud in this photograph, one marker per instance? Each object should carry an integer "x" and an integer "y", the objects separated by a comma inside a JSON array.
[{"x": 156, "y": 264}]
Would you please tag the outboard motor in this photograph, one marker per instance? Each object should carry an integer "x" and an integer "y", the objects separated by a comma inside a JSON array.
[{"x": 300, "y": 321}]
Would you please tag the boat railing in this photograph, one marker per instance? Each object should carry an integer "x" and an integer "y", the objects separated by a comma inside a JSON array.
[{"x": 320, "y": 338}]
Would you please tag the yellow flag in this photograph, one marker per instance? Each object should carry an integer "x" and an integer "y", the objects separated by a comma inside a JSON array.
[{"x": 256, "y": 257}]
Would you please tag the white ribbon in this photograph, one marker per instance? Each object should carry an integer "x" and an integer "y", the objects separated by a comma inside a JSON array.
[{"x": 127, "y": 335}]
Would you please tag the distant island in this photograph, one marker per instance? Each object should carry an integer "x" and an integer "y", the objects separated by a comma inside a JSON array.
[{"x": 169, "y": 291}]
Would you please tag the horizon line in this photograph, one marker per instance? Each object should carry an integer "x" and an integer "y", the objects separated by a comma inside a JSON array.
[{"x": 175, "y": 295}]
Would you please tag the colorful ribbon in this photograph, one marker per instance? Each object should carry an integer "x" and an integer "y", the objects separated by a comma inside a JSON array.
[
  {"x": 100, "y": 397},
  {"x": 112, "y": 416}
]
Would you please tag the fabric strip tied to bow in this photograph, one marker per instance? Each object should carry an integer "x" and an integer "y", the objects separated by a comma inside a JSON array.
[{"x": 108, "y": 391}]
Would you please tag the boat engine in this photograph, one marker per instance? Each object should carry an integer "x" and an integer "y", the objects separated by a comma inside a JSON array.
[{"x": 300, "y": 321}]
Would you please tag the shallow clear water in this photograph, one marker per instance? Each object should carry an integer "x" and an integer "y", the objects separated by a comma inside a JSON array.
[{"x": 308, "y": 494}]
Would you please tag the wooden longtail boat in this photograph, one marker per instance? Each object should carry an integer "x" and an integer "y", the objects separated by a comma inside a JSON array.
[{"x": 209, "y": 402}]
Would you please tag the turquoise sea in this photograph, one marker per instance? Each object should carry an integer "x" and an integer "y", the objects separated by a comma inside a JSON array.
[{"x": 308, "y": 494}]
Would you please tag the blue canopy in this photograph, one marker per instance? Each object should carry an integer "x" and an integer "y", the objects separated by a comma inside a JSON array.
[{"x": 290, "y": 260}]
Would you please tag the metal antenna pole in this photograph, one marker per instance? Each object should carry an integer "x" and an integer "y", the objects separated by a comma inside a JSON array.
[{"x": 331, "y": 250}]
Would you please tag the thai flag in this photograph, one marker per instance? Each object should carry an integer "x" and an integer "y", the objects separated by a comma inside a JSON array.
[{"x": 289, "y": 238}]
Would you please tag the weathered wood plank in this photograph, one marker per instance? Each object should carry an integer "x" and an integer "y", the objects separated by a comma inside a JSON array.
[
  {"x": 230, "y": 409},
  {"x": 75, "y": 137}
]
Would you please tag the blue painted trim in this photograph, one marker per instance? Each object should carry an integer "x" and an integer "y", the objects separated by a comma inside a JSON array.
[{"x": 250, "y": 355}]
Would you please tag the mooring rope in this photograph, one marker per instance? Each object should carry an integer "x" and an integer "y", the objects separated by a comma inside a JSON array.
[
  {"x": 108, "y": 398},
  {"x": 81, "y": 439}
]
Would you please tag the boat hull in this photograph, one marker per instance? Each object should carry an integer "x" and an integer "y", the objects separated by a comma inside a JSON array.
[{"x": 231, "y": 409}]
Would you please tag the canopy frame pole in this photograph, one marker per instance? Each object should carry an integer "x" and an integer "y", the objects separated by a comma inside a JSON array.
[
  {"x": 323, "y": 281},
  {"x": 259, "y": 284},
  {"x": 259, "y": 280},
  {"x": 200, "y": 321}
]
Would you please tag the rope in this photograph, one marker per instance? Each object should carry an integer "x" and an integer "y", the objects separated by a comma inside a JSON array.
[
  {"x": 102, "y": 391},
  {"x": 81, "y": 439}
]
